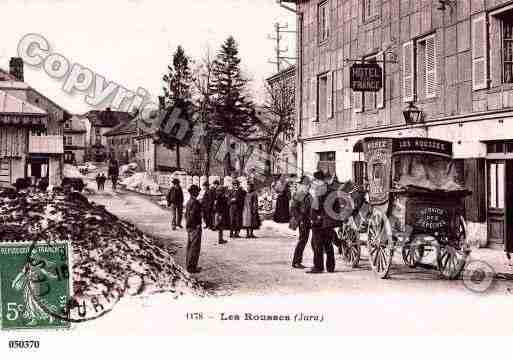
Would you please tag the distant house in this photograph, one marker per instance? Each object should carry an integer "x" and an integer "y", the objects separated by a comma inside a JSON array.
[
  {"x": 75, "y": 134},
  {"x": 101, "y": 123},
  {"x": 45, "y": 152},
  {"x": 154, "y": 156},
  {"x": 122, "y": 143}
]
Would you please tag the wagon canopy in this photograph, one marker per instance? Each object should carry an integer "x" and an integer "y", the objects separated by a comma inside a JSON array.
[{"x": 408, "y": 162}]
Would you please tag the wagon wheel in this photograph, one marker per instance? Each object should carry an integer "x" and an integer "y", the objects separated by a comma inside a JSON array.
[
  {"x": 413, "y": 252},
  {"x": 381, "y": 250},
  {"x": 451, "y": 256},
  {"x": 350, "y": 244}
]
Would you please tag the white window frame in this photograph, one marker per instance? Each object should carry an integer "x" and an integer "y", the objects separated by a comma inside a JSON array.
[{"x": 323, "y": 23}]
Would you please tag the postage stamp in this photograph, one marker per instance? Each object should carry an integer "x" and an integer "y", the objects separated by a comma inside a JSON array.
[{"x": 34, "y": 283}]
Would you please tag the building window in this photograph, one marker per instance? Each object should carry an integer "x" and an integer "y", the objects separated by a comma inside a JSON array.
[
  {"x": 324, "y": 21},
  {"x": 507, "y": 48},
  {"x": 419, "y": 69},
  {"x": 67, "y": 125},
  {"x": 327, "y": 162},
  {"x": 496, "y": 185},
  {"x": 370, "y": 9},
  {"x": 322, "y": 98}
]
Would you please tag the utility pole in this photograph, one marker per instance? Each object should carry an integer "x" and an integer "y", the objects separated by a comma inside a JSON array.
[{"x": 279, "y": 30}]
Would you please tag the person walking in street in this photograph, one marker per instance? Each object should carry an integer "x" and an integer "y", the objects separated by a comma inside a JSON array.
[
  {"x": 236, "y": 205},
  {"x": 323, "y": 233},
  {"x": 221, "y": 212},
  {"x": 193, "y": 226},
  {"x": 250, "y": 217},
  {"x": 114, "y": 173},
  {"x": 175, "y": 202},
  {"x": 103, "y": 179},
  {"x": 282, "y": 211},
  {"x": 207, "y": 204},
  {"x": 300, "y": 219},
  {"x": 98, "y": 179}
]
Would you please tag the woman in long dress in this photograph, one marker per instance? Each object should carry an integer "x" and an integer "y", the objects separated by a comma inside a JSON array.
[{"x": 250, "y": 217}]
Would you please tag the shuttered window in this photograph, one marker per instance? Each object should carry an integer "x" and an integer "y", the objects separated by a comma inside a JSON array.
[
  {"x": 479, "y": 53},
  {"x": 370, "y": 9},
  {"x": 430, "y": 67},
  {"x": 408, "y": 72},
  {"x": 324, "y": 21},
  {"x": 330, "y": 94},
  {"x": 313, "y": 99}
]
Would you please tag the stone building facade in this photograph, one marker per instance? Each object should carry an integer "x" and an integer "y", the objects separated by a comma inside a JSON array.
[
  {"x": 453, "y": 62},
  {"x": 75, "y": 133}
]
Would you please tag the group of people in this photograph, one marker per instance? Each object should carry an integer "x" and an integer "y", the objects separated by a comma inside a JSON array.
[
  {"x": 220, "y": 209},
  {"x": 309, "y": 213},
  {"x": 100, "y": 181},
  {"x": 113, "y": 174}
]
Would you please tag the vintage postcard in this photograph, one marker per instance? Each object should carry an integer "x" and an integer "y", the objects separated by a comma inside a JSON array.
[{"x": 271, "y": 167}]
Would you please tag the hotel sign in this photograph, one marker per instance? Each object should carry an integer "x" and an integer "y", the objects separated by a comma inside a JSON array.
[{"x": 366, "y": 77}]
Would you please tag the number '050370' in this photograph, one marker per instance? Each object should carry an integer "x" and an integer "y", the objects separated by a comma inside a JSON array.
[{"x": 23, "y": 344}]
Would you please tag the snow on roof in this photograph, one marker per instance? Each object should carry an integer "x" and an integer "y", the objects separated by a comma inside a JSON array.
[{"x": 14, "y": 105}]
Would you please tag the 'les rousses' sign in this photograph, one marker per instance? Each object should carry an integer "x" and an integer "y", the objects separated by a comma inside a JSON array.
[{"x": 366, "y": 77}]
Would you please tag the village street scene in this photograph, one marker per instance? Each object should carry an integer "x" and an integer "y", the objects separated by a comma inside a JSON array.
[{"x": 361, "y": 152}]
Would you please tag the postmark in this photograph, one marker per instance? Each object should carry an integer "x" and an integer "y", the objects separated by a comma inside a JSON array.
[{"x": 34, "y": 281}]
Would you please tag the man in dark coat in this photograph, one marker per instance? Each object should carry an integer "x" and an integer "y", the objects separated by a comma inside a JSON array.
[
  {"x": 193, "y": 226},
  {"x": 207, "y": 204},
  {"x": 236, "y": 204},
  {"x": 175, "y": 201},
  {"x": 323, "y": 233},
  {"x": 114, "y": 173},
  {"x": 221, "y": 214},
  {"x": 300, "y": 211}
]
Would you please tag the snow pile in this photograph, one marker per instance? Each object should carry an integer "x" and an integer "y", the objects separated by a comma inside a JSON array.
[
  {"x": 71, "y": 171},
  {"x": 108, "y": 254},
  {"x": 142, "y": 182},
  {"x": 127, "y": 170}
]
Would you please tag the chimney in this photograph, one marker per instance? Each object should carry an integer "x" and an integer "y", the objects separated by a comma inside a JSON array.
[{"x": 16, "y": 68}]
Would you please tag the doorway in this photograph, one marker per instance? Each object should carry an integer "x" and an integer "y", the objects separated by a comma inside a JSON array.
[{"x": 500, "y": 202}]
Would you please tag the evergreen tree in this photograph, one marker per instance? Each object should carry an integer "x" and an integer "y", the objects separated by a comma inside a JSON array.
[
  {"x": 231, "y": 111},
  {"x": 177, "y": 89}
]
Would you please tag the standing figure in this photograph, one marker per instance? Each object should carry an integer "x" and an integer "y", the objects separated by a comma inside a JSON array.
[
  {"x": 103, "y": 179},
  {"x": 300, "y": 213},
  {"x": 98, "y": 179},
  {"x": 193, "y": 226},
  {"x": 282, "y": 212},
  {"x": 207, "y": 204},
  {"x": 323, "y": 233},
  {"x": 250, "y": 217},
  {"x": 236, "y": 203},
  {"x": 113, "y": 173},
  {"x": 221, "y": 212},
  {"x": 175, "y": 202}
]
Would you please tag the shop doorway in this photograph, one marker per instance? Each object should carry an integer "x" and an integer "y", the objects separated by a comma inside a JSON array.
[{"x": 500, "y": 201}]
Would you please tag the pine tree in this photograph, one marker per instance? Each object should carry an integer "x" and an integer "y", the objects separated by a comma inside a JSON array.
[
  {"x": 231, "y": 111},
  {"x": 177, "y": 89}
]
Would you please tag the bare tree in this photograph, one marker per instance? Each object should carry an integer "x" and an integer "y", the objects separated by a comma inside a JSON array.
[
  {"x": 204, "y": 97},
  {"x": 280, "y": 105}
]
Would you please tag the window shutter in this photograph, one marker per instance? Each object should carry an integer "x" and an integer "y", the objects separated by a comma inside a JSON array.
[
  {"x": 329, "y": 94},
  {"x": 430, "y": 74},
  {"x": 358, "y": 101},
  {"x": 314, "y": 93},
  {"x": 408, "y": 72},
  {"x": 479, "y": 53},
  {"x": 380, "y": 96}
]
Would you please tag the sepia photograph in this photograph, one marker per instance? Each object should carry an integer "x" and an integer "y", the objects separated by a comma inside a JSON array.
[{"x": 262, "y": 168}]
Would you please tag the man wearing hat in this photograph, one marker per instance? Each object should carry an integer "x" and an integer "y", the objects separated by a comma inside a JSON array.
[
  {"x": 207, "y": 203},
  {"x": 175, "y": 202},
  {"x": 300, "y": 211},
  {"x": 236, "y": 205},
  {"x": 193, "y": 226}
]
